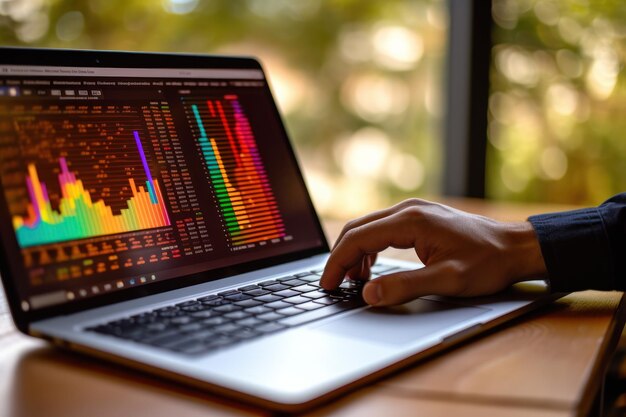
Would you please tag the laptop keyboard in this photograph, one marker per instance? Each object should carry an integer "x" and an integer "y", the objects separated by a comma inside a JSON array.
[{"x": 225, "y": 318}]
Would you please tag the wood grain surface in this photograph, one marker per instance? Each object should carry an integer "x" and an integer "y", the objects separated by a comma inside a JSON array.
[{"x": 548, "y": 363}]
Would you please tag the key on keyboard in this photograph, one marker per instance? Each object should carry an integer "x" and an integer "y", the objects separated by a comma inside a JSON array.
[{"x": 214, "y": 321}]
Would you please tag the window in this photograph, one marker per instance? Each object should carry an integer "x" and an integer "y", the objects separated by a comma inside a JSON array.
[
  {"x": 557, "y": 104},
  {"x": 359, "y": 83}
]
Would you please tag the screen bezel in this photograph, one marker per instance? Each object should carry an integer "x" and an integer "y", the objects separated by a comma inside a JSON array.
[{"x": 119, "y": 59}]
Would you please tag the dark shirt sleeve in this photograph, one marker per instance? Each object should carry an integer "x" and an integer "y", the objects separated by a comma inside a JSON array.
[{"x": 585, "y": 249}]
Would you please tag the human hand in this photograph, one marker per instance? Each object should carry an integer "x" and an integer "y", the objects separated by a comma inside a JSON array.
[{"x": 465, "y": 254}]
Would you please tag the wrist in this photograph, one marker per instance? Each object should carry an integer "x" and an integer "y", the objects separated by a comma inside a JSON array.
[{"x": 523, "y": 253}]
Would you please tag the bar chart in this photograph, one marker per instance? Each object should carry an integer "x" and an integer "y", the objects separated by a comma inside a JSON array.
[
  {"x": 243, "y": 193},
  {"x": 78, "y": 216}
]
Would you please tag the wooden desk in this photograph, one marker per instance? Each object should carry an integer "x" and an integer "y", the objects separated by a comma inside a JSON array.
[{"x": 548, "y": 363}]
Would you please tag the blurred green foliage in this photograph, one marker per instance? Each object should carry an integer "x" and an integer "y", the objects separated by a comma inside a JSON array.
[
  {"x": 359, "y": 82},
  {"x": 558, "y": 101}
]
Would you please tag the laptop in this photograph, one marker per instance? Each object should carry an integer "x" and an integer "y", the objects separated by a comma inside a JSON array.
[{"x": 152, "y": 212}]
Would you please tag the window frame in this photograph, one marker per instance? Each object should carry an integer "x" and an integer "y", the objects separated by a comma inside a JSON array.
[{"x": 467, "y": 97}]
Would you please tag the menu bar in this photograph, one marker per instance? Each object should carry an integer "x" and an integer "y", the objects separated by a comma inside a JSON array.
[{"x": 50, "y": 71}]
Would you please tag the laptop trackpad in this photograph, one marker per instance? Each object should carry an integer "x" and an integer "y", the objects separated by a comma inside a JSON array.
[{"x": 402, "y": 324}]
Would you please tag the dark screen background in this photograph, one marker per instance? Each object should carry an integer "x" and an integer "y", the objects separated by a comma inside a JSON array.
[{"x": 225, "y": 188}]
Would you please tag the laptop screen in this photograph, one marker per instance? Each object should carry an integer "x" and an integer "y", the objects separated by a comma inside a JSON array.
[{"x": 121, "y": 177}]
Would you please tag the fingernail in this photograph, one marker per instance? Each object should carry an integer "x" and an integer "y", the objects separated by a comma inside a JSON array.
[{"x": 372, "y": 293}]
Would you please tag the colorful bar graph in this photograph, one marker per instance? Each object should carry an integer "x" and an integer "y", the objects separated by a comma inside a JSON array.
[
  {"x": 244, "y": 195},
  {"x": 79, "y": 217}
]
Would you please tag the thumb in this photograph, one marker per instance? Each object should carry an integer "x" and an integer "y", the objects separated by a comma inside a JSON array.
[{"x": 437, "y": 279}]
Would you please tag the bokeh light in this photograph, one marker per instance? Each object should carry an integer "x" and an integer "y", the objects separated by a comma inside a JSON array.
[
  {"x": 557, "y": 101},
  {"x": 359, "y": 83}
]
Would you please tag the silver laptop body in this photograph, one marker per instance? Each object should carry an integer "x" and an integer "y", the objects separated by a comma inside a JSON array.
[{"x": 134, "y": 185}]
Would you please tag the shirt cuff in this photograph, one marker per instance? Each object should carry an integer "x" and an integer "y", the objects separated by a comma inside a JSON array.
[{"x": 575, "y": 247}]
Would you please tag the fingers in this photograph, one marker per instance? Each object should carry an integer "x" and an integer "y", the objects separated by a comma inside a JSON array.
[
  {"x": 362, "y": 270},
  {"x": 367, "y": 239},
  {"x": 379, "y": 215},
  {"x": 359, "y": 270},
  {"x": 401, "y": 287}
]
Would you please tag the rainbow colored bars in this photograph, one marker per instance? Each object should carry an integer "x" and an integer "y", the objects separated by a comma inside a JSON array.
[
  {"x": 246, "y": 201},
  {"x": 79, "y": 217}
]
